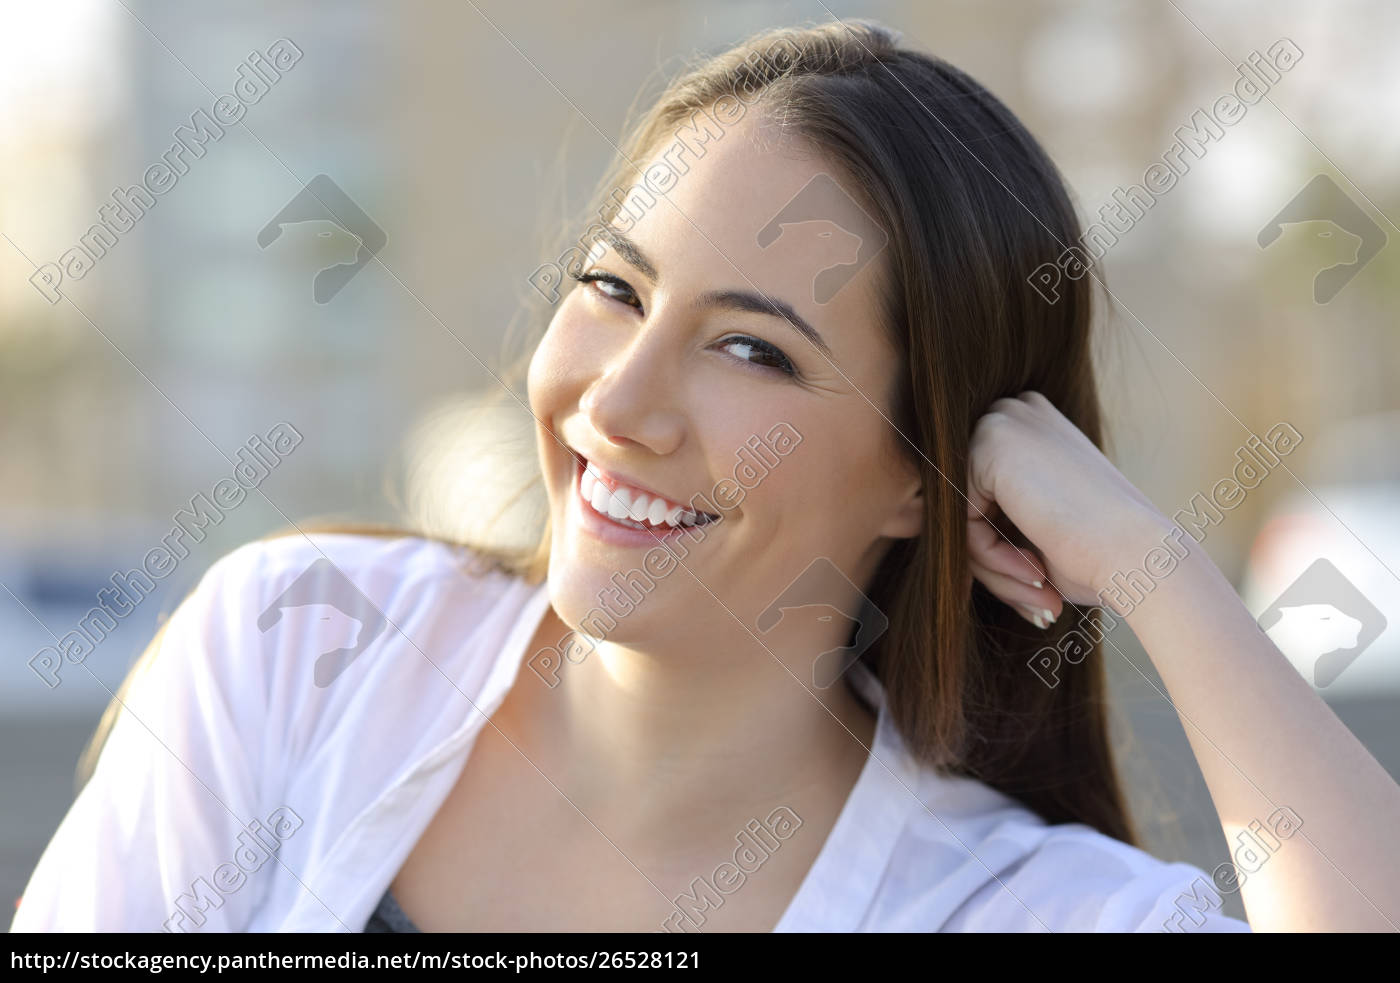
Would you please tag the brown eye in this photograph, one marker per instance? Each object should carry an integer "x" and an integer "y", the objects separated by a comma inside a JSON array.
[
  {"x": 606, "y": 280},
  {"x": 758, "y": 352}
]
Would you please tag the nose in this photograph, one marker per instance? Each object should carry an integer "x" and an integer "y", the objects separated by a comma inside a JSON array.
[{"x": 633, "y": 403}]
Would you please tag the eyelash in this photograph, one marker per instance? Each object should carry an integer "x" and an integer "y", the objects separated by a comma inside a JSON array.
[{"x": 784, "y": 365}]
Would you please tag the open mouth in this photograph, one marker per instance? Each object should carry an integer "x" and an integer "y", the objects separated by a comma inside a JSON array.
[{"x": 631, "y": 507}]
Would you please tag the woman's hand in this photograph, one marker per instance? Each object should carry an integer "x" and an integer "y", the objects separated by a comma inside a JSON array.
[
  {"x": 1254, "y": 723},
  {"x": 1031, "y": 467}
]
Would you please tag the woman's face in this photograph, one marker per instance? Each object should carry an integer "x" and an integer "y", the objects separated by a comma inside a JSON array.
[{"x": 670, "y": 376}]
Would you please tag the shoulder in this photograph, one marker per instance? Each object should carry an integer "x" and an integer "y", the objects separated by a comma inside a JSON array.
[
  {"x": 318, "y": 605},
  {"x": 324, "y": 641},
  {"x": 348, "y": 571},
  {"x": 1001, "y": 868},
  {"x": 362, "y": 558}
]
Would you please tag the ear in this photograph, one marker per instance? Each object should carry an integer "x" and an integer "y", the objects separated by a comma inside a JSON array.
[{"x": 906, "y": 520}]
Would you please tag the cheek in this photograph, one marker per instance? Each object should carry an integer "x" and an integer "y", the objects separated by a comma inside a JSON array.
[
  {"x": 824, "y": 493},
  {"x": 785, "y": 486}
]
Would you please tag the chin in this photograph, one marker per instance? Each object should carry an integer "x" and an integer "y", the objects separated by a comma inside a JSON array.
[{"x": 620, "y": 602}]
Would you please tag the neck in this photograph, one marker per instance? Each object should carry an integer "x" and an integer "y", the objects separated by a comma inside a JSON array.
[{"x": 719, "y": 727}]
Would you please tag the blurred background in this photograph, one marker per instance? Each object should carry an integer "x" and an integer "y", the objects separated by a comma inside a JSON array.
[{"x": 468, "y": 132}]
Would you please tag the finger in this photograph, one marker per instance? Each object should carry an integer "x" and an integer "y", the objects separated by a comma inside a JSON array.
[
  {"x": 1035, "y": 616},
  {"x": 1011, "y": 591},
  {"x": 981, "y": 498},
  {"x": 987, "y": 547},
  {"x": 979, "y": 503}
]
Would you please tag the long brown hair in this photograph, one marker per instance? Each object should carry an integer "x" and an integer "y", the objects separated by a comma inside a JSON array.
[{"x": 971, "y": 205}]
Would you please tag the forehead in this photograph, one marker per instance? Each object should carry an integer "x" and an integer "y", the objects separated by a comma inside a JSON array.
[{"x": 759, "y": 210}]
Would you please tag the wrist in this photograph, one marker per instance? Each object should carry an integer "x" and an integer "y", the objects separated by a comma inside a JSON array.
[{"x": 1150, "y": 550}]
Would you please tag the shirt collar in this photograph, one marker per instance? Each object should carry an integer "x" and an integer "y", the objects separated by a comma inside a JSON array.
[{"x": 841, "y": 885}]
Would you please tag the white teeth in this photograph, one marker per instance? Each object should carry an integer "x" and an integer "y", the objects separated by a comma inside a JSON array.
[
  {"x": 640, "y": 507},
  {"x": 632, "y": 508},
  {"x": 599, "y": 498},
  {"x": 657, "y": 513},
  {"x": 619, "y": 503}
]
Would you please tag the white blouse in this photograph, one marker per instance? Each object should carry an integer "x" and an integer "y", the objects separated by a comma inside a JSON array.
[{"x": 237, "y": 793}]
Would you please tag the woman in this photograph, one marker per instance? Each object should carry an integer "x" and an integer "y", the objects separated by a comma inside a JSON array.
[{"x": 825, "y": 501}]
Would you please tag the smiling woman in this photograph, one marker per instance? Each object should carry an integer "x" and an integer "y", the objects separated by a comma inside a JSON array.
[{"x": 849, "y": 263}]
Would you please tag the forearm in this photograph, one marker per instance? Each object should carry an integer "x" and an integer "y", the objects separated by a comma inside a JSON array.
[{"x": 1265, "y": 740}]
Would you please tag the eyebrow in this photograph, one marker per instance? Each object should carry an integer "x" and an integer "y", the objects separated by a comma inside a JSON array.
[{"x": 743, "y": 301}]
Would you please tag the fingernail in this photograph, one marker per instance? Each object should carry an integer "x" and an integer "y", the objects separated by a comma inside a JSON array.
[
  {"x": 1036, "y": 583},
  {"x": 1039, "y": 622},
  {"x": 1048, "y": 616}
]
